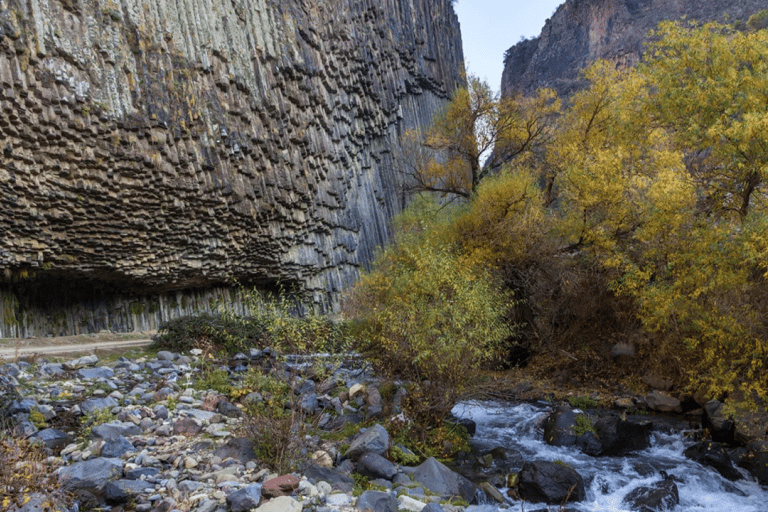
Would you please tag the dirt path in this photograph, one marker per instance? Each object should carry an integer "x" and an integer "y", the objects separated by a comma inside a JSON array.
[{"x": 81, "y": 344}]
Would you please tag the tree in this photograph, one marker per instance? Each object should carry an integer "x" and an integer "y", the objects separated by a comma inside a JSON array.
[
  {"x": 472, "y": 136},
  {"x": 711, "y": 94}
]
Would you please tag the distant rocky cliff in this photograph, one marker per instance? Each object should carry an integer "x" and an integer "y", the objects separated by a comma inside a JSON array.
[
  {"x": 154, "y": 151},
  {"x": 582, "y": 31}
]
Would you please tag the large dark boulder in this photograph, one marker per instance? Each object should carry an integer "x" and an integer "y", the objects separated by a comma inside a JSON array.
[
  {"x": 374, "y": 440},
  {"x": 756, "y": 461},
  {"x": 375, "y": 466},
  {"x": 658, "y": 497},
  {"x": 618, "y": 436},
  {"x": 559, "y": 428},
  {"x": 54, "y": 439},
  {"x": 244, "y": 499},
  {"x": 721, "y": 427},
  {"x": 550, "y": 482},
  {"x": 440, "y": 479},
  {"x": 714, "y": 455},
  {"x": 90, "y": 477}
]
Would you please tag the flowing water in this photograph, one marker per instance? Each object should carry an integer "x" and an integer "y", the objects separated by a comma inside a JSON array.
[{"x": 609, "y": 479}]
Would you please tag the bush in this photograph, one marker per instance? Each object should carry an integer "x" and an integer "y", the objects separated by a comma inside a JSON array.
[
  {"x": 210, "y": 332},
  {"x": 428, "y": 318},
  {"x": 275, "y": 425},
  {"x": 273, "y": 322}
]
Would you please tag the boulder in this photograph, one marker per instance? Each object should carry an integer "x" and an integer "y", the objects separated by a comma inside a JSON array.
[
  {"x": 91, "y": 475},
  {"x": 115, "y": 429},
  {"x": 53, "y": 438},
  {"x": 433, "y": 507},
  {"x": 117, "y": 447},
  {"x": 377, "y": 501},
  {"x": 559, "y": 427},
  {"x": 551, "y": 483},
  {"x": 374, "y": 465},
  {"x": 375, "y": 440},
  {"x": 661, "y": 496},
  {"x": 713, "y": 455},
  {"x": 439, "y": 479},
  {"x": 618, "y": 437},
  {"x": 662, "y": 402},
  {"x": 244, "y": 499},
  {"x": 80, "y": 362}
]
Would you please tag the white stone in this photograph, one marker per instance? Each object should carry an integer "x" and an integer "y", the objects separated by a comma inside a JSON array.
[
  {"x": 324, "y": 487},
  {"x": 356, "y": 389},
  {"x": 281, "y": 504},
  {"x": 339, "y": 499},
  {"x": 322, "y": 459},
  {"x": 407, "y": 503}
]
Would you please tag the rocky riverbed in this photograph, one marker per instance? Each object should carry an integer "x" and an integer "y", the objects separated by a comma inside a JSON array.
[{"x": 134, "y": 434}]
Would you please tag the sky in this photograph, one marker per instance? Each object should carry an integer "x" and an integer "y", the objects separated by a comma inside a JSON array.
[{"x": 490, "y": 27}]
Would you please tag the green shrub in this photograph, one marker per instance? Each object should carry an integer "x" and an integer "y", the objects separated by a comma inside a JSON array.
[
  {"x": 428, "y": 318},
  {"x": 582, "y": 402},
  {"x": 212, "y": 333},
  {"x": 584, "y": 423}
]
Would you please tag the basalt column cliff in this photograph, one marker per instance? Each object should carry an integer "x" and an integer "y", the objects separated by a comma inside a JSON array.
[
  {"x": 581, "y": 31},
  {"x": 154, "y": 151}
]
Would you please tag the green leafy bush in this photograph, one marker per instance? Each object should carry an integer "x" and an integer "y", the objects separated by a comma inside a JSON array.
[
  {"x": 428, "y": 318},
  {"x": 210, "y": 332}
]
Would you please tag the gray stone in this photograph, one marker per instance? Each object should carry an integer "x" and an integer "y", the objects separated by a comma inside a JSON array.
[
  {"x": 94, "y": 404},
  {"x": 122, "y": 491},
  {"x": 80, "y": 362},
  {"x": 375, "y": 440},
  {"x": 439, "y": 479},
  {"x": 551, "y": 483},
  {"x": 91, "y": 475},
  {"x": 116, "y": 447},
  {"x": 374, "y": 465},
  {"x": 54, "y": 439},
  {"x": 433, "y": 507},
  {"x": 244, "y": 499},
  {"x": 95, "y": 373},
  {"x": 662, "y": 402},
  {"x": 377, "y": 501},
  {"x": 115, "y": 429},
  {"x": 165, "y": 355}
]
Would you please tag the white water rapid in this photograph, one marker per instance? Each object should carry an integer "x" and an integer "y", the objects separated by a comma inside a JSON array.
[{"x": 609, "y": 479}]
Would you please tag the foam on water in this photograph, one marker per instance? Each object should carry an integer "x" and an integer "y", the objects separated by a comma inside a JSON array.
[{"x": 609, "y": 479}]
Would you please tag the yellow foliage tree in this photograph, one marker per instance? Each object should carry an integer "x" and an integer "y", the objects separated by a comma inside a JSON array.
[{"x": 473, "y": 135}]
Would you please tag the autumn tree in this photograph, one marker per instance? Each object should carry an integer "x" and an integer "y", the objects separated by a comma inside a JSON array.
[
  {"x": 711, "y": 94},
  {"x": 660, "y": 172},
  {"x": 470, "y": 138}
]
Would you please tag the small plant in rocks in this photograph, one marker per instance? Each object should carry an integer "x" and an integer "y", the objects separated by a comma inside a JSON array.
[{"x": 27, "y": 477}]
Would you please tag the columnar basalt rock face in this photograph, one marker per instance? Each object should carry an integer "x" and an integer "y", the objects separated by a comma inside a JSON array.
[
  {"x": 581, "y": 31},
  {"x": 152, "y": 146}
]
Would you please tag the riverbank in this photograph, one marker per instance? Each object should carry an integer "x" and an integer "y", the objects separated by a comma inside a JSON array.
[{"x": 155, "y": 432}]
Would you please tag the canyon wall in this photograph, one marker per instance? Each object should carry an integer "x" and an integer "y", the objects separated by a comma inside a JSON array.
[
  {"x": 154, "y": 152},
  {"x": 581, "y": 31}
]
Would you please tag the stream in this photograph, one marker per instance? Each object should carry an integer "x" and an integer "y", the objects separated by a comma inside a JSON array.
[{"x": 608, "y": 479}]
